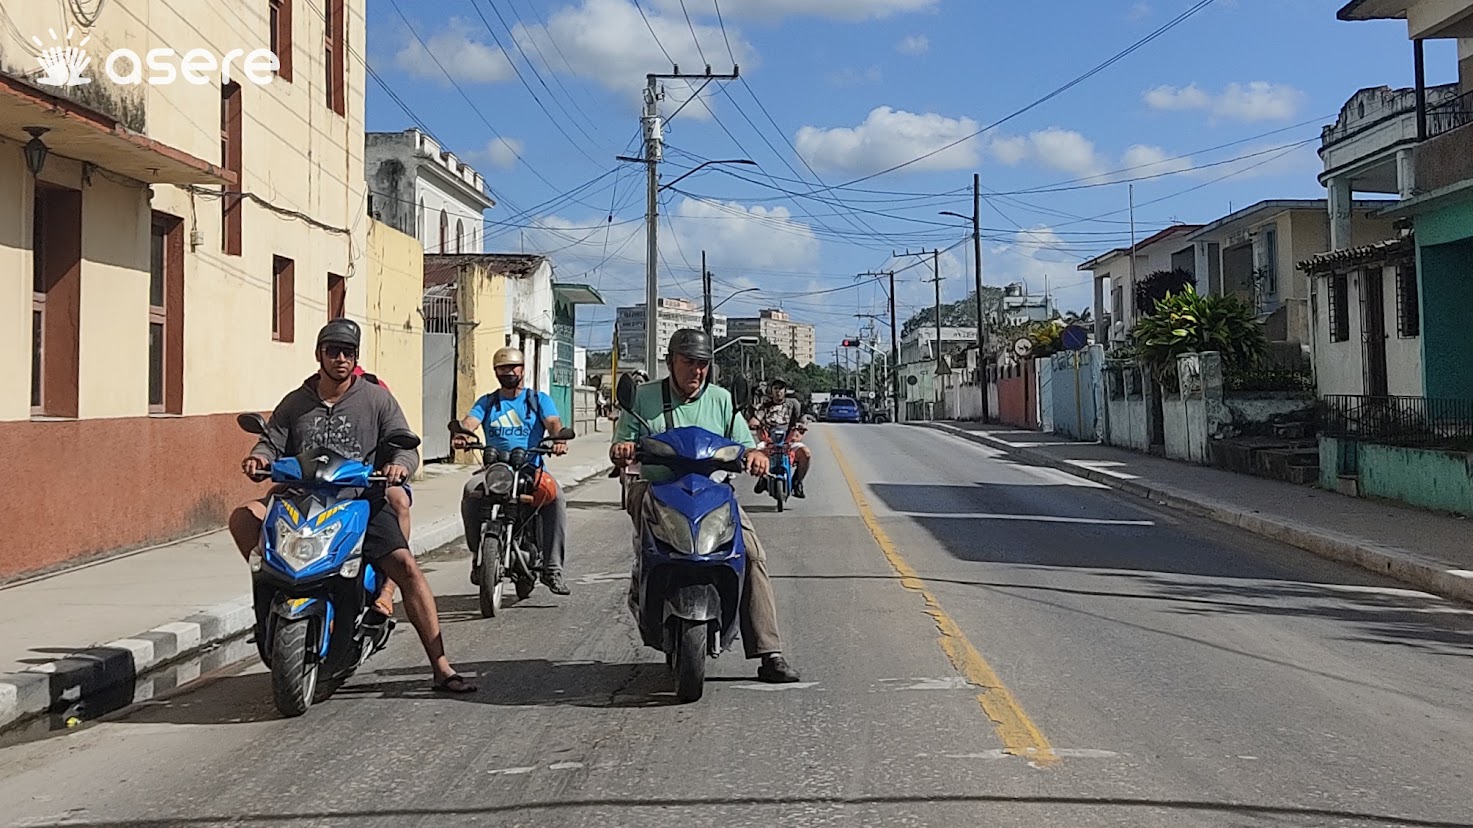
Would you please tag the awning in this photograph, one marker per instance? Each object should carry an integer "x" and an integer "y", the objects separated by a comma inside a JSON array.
[
  {"x": 1389, "y": 250},
  {"x": 576, "y": 294},
  {"x": 78, "y": 132}
]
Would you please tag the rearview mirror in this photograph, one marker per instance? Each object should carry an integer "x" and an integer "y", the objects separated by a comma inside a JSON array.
[
  {"x": 624, "y": 392},
  {"x": 251, "y": 423},
  {"x": 404, "y": 440},
  {"x": 565, "y": 434},
  {"x": 741, "y": 392}
]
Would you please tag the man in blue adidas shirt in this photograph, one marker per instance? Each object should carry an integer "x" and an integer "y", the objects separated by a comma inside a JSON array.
[{"x": 517, "y": 417}]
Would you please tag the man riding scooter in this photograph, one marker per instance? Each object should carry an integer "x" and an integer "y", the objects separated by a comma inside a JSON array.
[
  {"x": 515, "y": 417},
  {"x": 336, "y": 410},
  {"x": 686, "y": 398},
  {"x": 776, "y": 412}
]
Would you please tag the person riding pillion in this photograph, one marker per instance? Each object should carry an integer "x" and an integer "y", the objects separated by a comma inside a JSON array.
[
  {"x": 775, "y": 413},
  {"x": 686, "y": 398},
  {"x": 516, "y": 417}
]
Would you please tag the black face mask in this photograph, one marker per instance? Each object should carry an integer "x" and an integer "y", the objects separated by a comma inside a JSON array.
[{"x": 508, "y": 380}]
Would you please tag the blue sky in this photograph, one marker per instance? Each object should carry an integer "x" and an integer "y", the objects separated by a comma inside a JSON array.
[{"x": 836, "y": 90}]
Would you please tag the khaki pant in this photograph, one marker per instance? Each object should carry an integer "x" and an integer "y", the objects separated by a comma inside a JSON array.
[{"x": 758, "y": 612}]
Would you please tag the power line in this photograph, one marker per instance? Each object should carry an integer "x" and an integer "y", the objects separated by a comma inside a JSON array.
[{"x": 1119, "y": 56}]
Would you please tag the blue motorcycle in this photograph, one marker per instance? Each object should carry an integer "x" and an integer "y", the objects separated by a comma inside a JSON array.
[
  {"x": 690, "y": 559},
  {"x": 315, "y": 621}
]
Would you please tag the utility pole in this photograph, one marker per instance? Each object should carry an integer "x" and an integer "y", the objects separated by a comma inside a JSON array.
[
  {"x": 941, "y": 368},
  {"x": 708, "y": 320},
  {"x": 653, "y": 127},
  {"x": 981, "y": 378},
  {"x": 894, "y": 346}
]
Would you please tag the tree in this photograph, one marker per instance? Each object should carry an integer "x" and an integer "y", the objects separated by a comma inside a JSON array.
[
  {"x": 600, "y": 359},
  {"x": 1158, "y": 285},
  {"x": 1188, "y": 322},
  {"x": 959, "y": 314}
]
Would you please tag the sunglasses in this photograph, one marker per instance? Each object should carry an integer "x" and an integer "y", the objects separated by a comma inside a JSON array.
[{"x": 335, "y": 351}]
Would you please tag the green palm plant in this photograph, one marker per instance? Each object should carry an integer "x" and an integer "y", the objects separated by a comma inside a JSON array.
[{"x": 1189, "y": 322}]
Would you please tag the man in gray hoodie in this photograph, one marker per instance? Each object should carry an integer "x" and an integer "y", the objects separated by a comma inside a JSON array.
[{"x": 333, "y": 409}]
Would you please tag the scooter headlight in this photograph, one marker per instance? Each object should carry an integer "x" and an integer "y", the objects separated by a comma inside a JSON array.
[
  {"x": 303, "y": 547},
  {"x": 499, "y": 479},
  {"x": 670, "y": 526},
  {"x": 717, "y": 530}
]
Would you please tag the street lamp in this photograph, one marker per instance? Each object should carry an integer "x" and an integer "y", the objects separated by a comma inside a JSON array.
[
  {"x": 703, "y": 164},
  {"x": 36, "y": 150},
  {"x": 718, "y": 305}
]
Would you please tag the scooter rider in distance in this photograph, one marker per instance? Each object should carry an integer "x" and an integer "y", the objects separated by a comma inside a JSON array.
[
  {"x": 517, "y": 417},
  {"x": 686, "y": 398},
  {"x": 777, "y": 412}
]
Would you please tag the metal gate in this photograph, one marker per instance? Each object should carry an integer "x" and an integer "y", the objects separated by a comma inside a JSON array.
[{"x": 439, "y": 373}]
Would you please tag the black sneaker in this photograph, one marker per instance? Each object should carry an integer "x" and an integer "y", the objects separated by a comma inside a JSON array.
[
  {"x": 798, "y": 490},
  {"x": 555, "y": 583},
  {"x": 776, "y": 670},
  {"x": 761, "y": 485}
]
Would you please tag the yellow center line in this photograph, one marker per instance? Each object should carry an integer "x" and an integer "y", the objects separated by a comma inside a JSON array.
[{"x": 1020, "y": 736}]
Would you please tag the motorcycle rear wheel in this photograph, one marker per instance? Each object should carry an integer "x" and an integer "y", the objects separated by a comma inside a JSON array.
[
  {"x": 293, "y": 670},
  {"x": 690, "y": 659},
  {"x": 779, "y": 493},
  {"x": 492, "y": 586}
]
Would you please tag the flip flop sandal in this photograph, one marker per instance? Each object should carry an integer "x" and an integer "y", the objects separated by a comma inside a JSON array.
[{"x": 454, "y": 684}]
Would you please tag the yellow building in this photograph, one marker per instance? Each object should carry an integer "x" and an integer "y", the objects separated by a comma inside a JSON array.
[{"x": 167, "y": 253}]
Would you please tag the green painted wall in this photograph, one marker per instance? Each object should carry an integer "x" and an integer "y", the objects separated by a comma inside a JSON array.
[
  {"x": 1445, "y": 273},
  {"x": 1449, "y": 224},
  {"x": 1441, "y": 480},
  {"x": 1329, "y": 463}
]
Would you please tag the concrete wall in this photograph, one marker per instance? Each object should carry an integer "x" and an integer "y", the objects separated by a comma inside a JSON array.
[
  {"x": 393, "y": 332},
  {"x": 1017, "y": 395},
  {"x": 1046, "y": 392},
  {"x": 1440, "y": 480},
  {"x": 1445, "y": 268},
  {"x": 485, "y": 300},
  {"x": 1192, "y": 415}
]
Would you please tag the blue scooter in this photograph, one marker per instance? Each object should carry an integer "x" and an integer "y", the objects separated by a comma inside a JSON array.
[
  {"x": 315, "y": 621},
  {"x": 690, "y": 558}
]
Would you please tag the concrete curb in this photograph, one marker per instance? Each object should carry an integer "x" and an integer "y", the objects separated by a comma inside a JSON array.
[
  {"x": 102, "y": 679},
  {"x": 1402, "y": 564}
]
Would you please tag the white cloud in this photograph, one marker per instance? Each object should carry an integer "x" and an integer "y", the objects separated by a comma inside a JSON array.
[
  {"x": 914, "y": 45},
  {"x": 1140, "y": 11},
  {"x": 1061, "y": 149},
  {"x": 500, "y": 152},
  {"x": 608, "y": 42},
  {"x": 847, "y": 10},
  {"x": 1253, "y": 101},
  {"x": 744, "y": 237},
  {"x": 855, "y": 77},
  {"x": 1143, "y": 159},
  {"x": 888, "y": 137},
  {"x": 465, "y": 57}
]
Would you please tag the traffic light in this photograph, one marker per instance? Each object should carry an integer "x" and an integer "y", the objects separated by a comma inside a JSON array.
[{"x": 850, "y": 343}]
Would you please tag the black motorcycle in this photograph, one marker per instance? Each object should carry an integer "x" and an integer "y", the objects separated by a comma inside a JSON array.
[{"x": 508, "y": 548}]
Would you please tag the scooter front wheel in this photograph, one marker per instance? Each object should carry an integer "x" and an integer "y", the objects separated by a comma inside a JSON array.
[
  {"x": 492, "y": 586},
  {"x": 293, "y": 670},
  {"x": 690, "y": 659}
]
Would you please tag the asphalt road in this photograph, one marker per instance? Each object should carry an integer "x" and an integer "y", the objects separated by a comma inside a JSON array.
[{"x": 981, "y": 642}]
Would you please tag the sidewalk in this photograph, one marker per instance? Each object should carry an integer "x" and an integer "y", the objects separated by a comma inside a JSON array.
[
  {"x": 1430, "y": 551},
  {"x": 62, "y": 636}
]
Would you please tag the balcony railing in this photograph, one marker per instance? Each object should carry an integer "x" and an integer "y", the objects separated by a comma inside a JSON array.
[
  {"x": 1400, "y": 421},
  {"x": 1450, "y": 115}
]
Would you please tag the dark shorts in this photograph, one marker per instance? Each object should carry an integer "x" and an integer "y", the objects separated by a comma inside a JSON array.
[{"x": 384, "y": 537}]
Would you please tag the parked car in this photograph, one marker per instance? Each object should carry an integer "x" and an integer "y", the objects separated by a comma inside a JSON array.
[{"x": 842, "y": 410}]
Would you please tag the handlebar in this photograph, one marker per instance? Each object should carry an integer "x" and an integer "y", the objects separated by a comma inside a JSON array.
[{"x": 263, "y": 476}]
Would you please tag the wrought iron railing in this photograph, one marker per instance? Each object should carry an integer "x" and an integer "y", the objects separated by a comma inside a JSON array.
[
  {"x": 1450, "y": 115},
  {"x": 1400, "y": 421}
]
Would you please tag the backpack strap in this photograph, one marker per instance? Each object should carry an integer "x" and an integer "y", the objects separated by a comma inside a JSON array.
[{"x": 668, "y": 409}]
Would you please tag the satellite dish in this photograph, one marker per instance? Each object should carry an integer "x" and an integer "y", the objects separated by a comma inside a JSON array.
[{"x": 1023, "y": 347}]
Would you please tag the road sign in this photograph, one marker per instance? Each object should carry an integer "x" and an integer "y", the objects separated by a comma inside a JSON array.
[
  {"x": 1023, "y": 346},
  {"x": 912, "y": 380},
  {"x": 1074, "y": 338}
]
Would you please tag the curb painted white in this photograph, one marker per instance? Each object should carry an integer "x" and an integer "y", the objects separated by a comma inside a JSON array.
[
  {"x": 1402, "y": 564},
  {"x": 72, "y": 680}
]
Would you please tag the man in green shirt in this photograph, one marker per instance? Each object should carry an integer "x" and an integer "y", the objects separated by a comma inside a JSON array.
[{"x": 694, "y": 402}]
